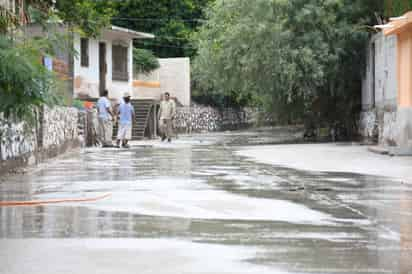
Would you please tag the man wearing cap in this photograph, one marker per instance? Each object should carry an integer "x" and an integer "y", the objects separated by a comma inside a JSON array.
[
  {"x": 167, "y": 113},
  {"x": 126, "y": 117}
]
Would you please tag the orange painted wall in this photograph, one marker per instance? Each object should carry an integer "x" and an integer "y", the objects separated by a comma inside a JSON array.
[
  {"x": 405, "y": 68},
  {"x": 402, "y": 27}
]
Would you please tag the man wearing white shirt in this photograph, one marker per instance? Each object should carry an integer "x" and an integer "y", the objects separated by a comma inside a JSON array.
[
  {"x": 105, "y": 117},
  {"x": 126, "y": 117}
]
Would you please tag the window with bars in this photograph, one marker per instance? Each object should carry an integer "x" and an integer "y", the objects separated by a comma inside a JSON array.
[
  {"x": 84, "y": 52},
  {"x": 120, "y": 63}
]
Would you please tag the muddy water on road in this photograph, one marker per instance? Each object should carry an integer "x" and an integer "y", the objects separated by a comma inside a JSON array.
[{"x": 193, "y": 206}]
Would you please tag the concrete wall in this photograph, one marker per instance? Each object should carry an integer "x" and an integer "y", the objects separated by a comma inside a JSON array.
[
  {"x": 405, "y": 66},
  {"x": 86, "y": 79},
  {"x": 10, "y": 5},
  {"x": 52, "y": 132},
  {"x": 383, "y": 117},
  {"x": 173, "y": 76},
  {"x": 379, "y": 90},
  {"x": 384, "y": 74}
]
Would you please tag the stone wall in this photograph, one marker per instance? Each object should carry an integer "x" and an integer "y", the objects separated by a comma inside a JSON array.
[
  {"x": 368, "y": 127},
  {"x": 392, "y": 129},
  {"x": 59, "y": 126},
  {"x": 16, "y": 139},
  {"x": 379, "y": 126},
  {"x": 388, "y": 128},
  {"x": 52, "y": 131},
  {"x": 207, "y": 119}
]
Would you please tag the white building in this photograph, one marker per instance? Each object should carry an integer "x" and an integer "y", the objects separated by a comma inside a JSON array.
[
  {"x": 105, "y": 62},
  {"x": 8, "y": 4},
  {"x": 173, "y": 76}
]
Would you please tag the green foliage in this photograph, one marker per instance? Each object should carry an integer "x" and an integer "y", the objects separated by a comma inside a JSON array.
[
  {"x": 300, "y": 59},
  {"x": 173, "y": 23},
  {"x": 144, "y": 61},
  {"x": 24, "y": 81},
  {"x": 397, "y": 7},
  {"x": 7, "y": 20},
  {"x": 90, "y": 16},
  {"x": 79, "y": 104}
]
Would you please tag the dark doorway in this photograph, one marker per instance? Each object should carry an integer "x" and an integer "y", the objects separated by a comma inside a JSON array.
[{"x": 102, "y": 67}]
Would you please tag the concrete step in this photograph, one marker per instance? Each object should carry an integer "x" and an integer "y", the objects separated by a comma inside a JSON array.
[{"x": 379, "y": 150}]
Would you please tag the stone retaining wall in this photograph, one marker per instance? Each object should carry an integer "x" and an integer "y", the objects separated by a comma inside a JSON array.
[
  {"x": 59, "y": 126},
  {"x": 16, "y": 139},
  {"x": 368, "y": 125},
  {"x": 207, "y": 119},
  {"x": 52, "y": 131},
  {"x": 387, "y": 128}
]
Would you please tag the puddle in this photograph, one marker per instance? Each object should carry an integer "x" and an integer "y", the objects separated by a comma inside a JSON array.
[{"x": 197, "y": 200}]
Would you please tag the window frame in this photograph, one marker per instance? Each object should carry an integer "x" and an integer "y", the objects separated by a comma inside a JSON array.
[
  {"x": 84, "y": 52},
  {"x": 120, "y": 53}
]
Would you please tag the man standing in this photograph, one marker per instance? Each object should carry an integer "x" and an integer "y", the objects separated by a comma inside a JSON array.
[
  {"x": 166, "y": 115},
  {"x": 126, "y": 113},
  {"x": 105, "y": 117}
]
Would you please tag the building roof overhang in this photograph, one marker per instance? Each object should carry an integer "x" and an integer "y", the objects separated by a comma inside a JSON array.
[
  {"x": 124, "y": 32},
  {"x": 398, "y": 25}
]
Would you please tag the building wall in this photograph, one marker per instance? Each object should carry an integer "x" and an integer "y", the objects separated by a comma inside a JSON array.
[
  {"x": 118, "y": 88},
  {"x": 405, "y": 68},
  {"x": 379, "y": 90},
  {"x": 61, "y": 63},
  {"x": 8, "y": 4},
  {"x": 86, "y": 79},
  {"x": 382, "y": 76},
  {"x": 173, "y": 76},
  {"x": 388, "y": 118}
]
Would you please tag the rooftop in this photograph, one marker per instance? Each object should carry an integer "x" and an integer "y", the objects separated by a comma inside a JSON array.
[{"x": 130, "y": 33}]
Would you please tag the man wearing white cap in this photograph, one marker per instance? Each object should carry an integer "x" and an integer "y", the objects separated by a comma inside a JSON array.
[{"x": 126, "y": 117}]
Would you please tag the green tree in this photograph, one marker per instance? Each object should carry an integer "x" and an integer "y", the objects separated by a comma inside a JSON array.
[
  {"x": 172, "y": 21},
  {"x": 301, "y": 59},
  {"x": 24, "y": 82},
  {"x": 397, "y": 7},
  {"x": 144, "y": 61},
  {"x": 90, "y": 16}
]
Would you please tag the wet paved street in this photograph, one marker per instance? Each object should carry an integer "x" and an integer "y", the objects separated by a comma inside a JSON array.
[{"x": 193, "y": 206}]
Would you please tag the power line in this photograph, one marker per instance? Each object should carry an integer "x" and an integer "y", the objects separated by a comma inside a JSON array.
[
  {"x": 171, "y": 37},
  {"x": 150, "y": 43},
  {"x": 158, "y": 19}
]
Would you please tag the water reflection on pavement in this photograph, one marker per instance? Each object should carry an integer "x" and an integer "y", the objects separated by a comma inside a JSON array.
[{"x": 193, "y": 206}]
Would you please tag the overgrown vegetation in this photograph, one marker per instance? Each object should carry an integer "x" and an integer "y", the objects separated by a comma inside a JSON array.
[
  {"x": 172, "y": 22},
  {"x": 397, "y": 7},
  {"x": 88, "y": 16},
  {"x": 144, "y": 61},
  {"x": 302, "y": 60},
  {"x": 24, "y": 82}
]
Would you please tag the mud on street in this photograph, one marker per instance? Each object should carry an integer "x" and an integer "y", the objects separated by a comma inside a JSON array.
[{"x": 196, "y": 206}]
